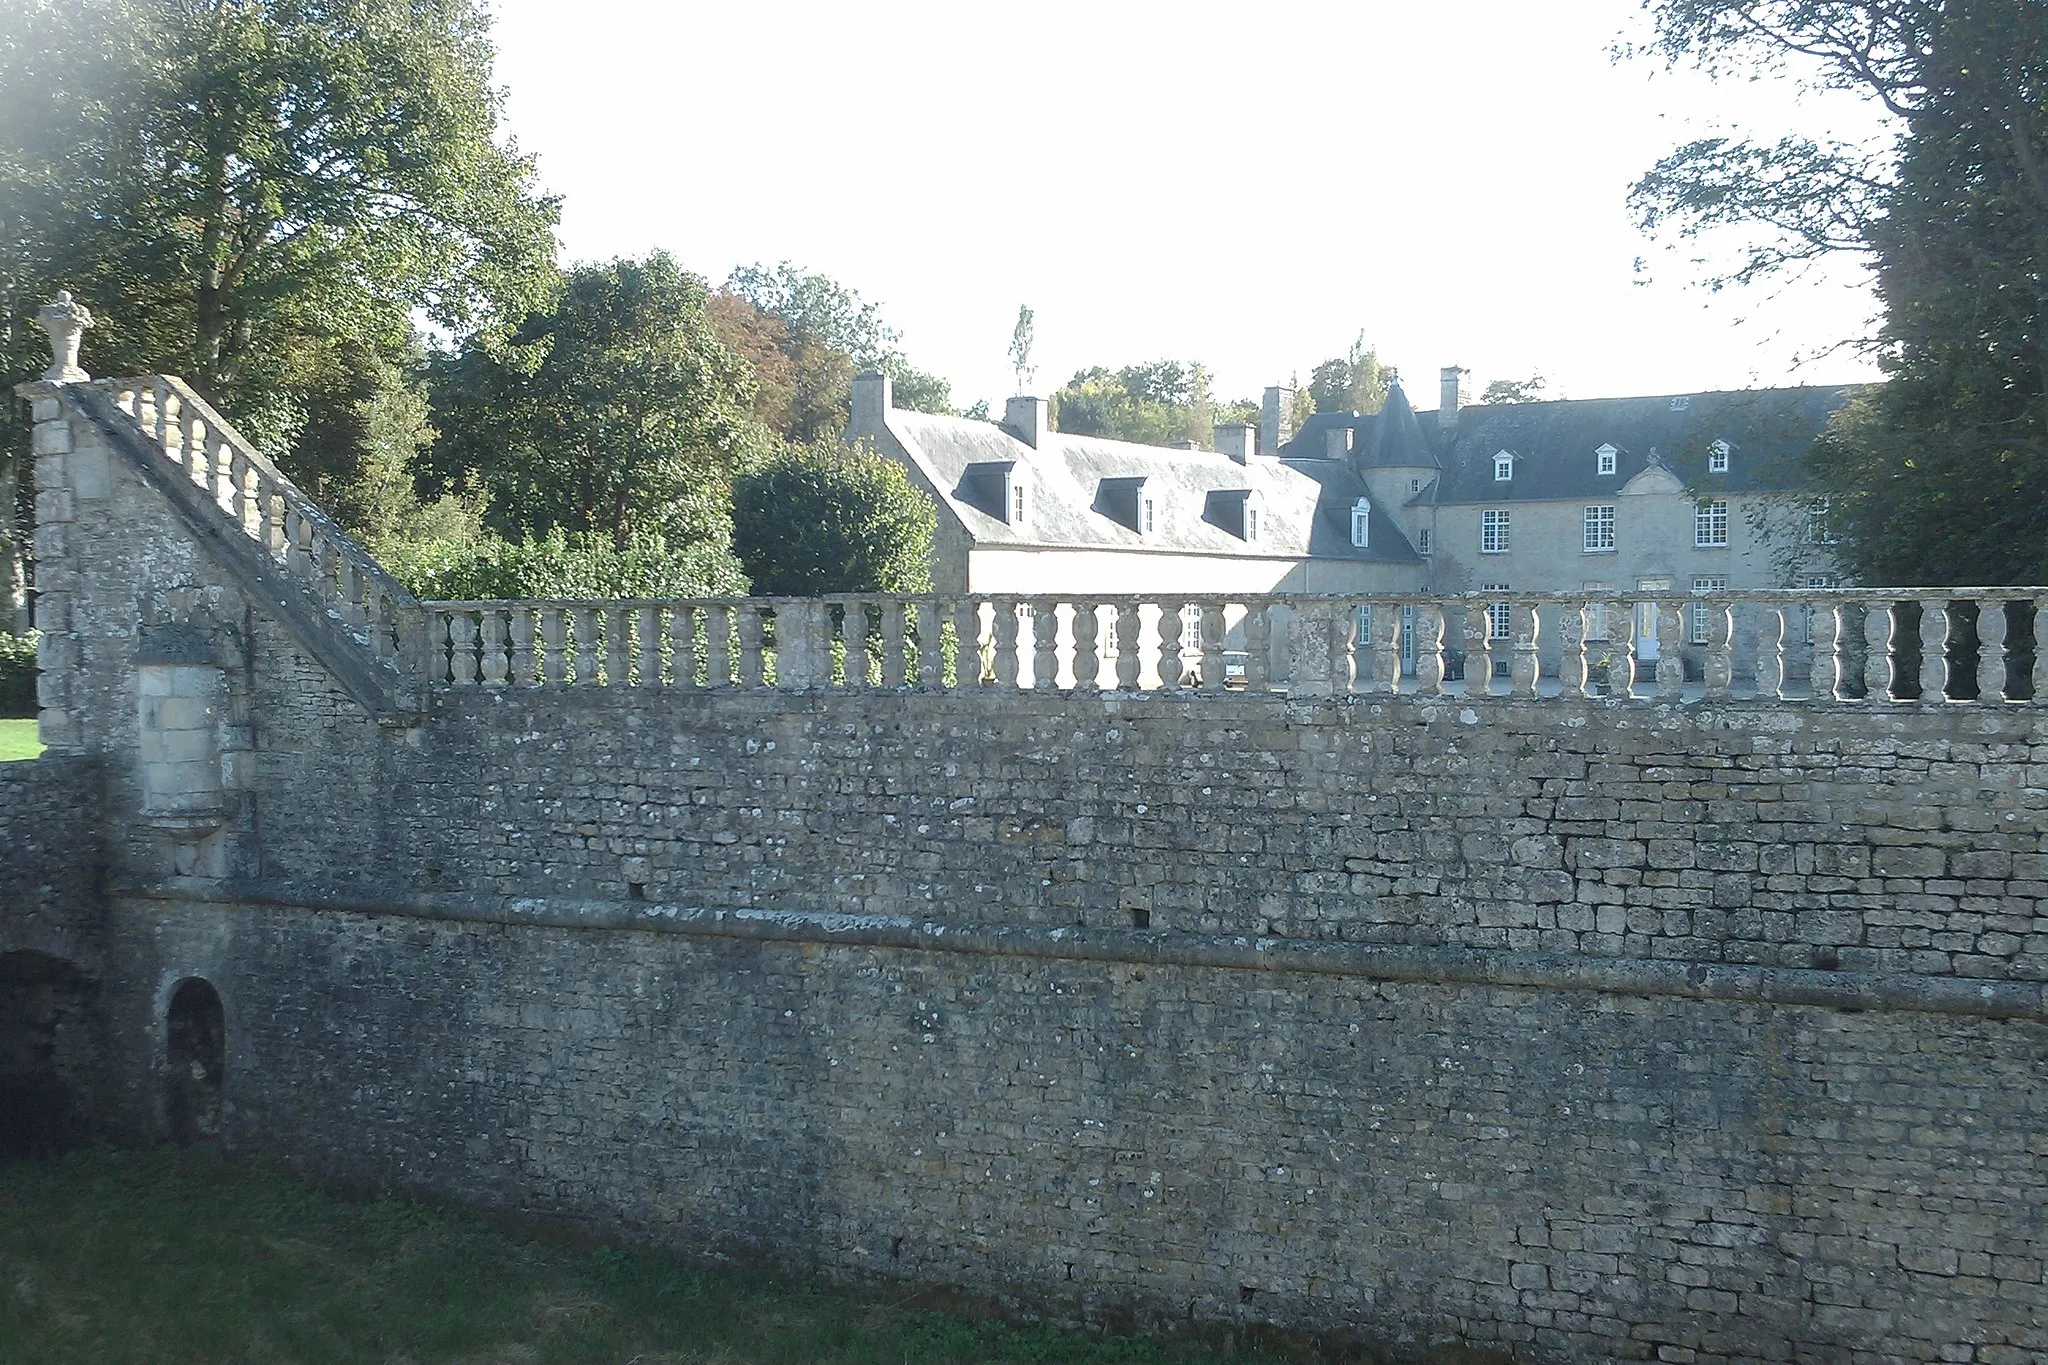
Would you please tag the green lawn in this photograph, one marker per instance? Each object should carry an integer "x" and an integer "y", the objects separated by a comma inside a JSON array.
[
  {"x": 18, "y": 740},
  {"x": 160, "y": 1257}
]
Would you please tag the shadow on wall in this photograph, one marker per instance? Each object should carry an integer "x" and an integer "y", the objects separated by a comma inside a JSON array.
[
  {"x": 45, "y": 1051},
  {"x": 197, "y": 1033}
]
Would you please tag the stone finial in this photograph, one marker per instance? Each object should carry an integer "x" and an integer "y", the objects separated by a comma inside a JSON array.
[{"x": 66, "y": 322}]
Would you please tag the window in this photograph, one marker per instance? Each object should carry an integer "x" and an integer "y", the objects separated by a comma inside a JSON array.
[
  {"x": 1680, "y": 403},
  {"x": 1717, "y": 458},
  {"x": 1414, "y": 485},
  {"x": 1710, "y": 524},
  {"x": 1500, "y": 616},
  {"x": 1251, "y": 521},
  {"x": 1422, "y": 539},
  {"x": 1361, "y": 522},
  {"x": 1818, "y": 532},
  {"x": 1600, "y": 529},
  {"x": 1705, "y": 583},
  {"x": 1818, "y": 580},
  {"x": 1148, "y": 517},
  {"x": 1503, "y": 467},
  {"x": 1493, "y": 532},
  {"x": 1605, "y": 457},
  {"x": 1016, "y": 501}
]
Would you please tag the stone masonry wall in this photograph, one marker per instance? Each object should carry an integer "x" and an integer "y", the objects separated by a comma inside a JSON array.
[{"x": 1584, "y": 1030}]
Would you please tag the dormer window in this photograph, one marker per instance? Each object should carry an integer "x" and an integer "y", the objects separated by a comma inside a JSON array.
[
  {"x": 1717, "y": 458},
  {"x": 1148, "y": 515},
  {"x": 1503, "y": 467},
  {"x": 1361, "y": 523},
  {"x": 1017, "y": 501},
  {"x": 1681, "y": 403},
  {"x": 1251, "y": 521},
  {"x": 1606, "y": 457}
]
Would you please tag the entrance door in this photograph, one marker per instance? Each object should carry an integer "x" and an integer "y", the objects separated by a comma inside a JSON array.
[{"x": 1646, "y": 619}]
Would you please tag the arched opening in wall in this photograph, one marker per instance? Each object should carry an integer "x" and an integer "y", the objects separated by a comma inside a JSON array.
[
  {"x": 45, "y": 1053},
  {"x": 198, "y": 1035}
]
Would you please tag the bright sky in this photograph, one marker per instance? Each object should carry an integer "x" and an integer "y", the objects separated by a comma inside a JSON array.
[{"x": 1244, "y": 185}]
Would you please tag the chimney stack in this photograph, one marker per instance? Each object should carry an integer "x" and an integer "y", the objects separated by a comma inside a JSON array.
[
  {"x": 1276, "y": 420},
  {"x": 873, "y": 396},
  {"x": 1240, "y": 442},
  {"x": 1337, "y": 440},
  {"x": 1026, "y": 419},
  {"x": 1456, "y": 392}
]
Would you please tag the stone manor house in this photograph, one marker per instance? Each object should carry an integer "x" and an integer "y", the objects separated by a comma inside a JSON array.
[{"x": 1686, "y": 492}]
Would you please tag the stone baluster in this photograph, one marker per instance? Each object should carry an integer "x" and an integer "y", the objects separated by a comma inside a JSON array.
[
  {"x": 1719, "y": 668},
  {"x": 717, "y": 645},
  {"x": 1341, "y": 642},
  {"x": 295, "y": 531},
  {"x": 853, "y": 628},
  {"x": 1478, "y": 649},
  {"x": 1933, "y": 649},
  {"x": 327, "y": 566},
  {"x": 522, "y": 647},
  {"x": 967, "y": 661},
  {"x": 1258, "y": 646},
  {"x": 682, "y": 640},
  {"x": 1827, "y": 664},
  {"x": 355, "y": 594},
  {"x": 462, "y": 648},
  {"x": 497, "y": 666},
  {"x": 931, "y": 660},
  {"x": 1005, "y": 637},
  {"x": 1670, "y": 650},
  {"x": 1770, "y": 651},
  {"x": 753, "y": 664},
  {"x": 1210, "y": 630},
  {"x": 242, "y": 502},
  {"x": 1172, "y": 668},
  {"x": 225, "y": 462},
  {"x": 1574, "y": 671},
  {"x": 554, "y": 636},
  {"x": 1429, "y": 648},
  {"x": 2040, "y": 678},
  {"x": 162, "y": 405},
  {"x": 1525, "y": 669},
  {"x": 191, "y": 439},
  {"x": 617, "y": 649},
  {"x": 381, "y": 616},
  {"x": 1087, "y": 656},
  {"x": 1383, "y": 649},
  {"x": 589, "y": 649},
  {"x": 1879, "y": 670},
  {"x": 647, "y": 646},
  {"x": 1045, "y": 646},
  {"x": 1129, "y": 624},
  {"x": 1991, "y": 650},
  {"x": 895, "y": 644}
]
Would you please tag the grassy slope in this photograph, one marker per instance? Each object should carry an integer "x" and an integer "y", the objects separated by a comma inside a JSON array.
[
  {"x": 18, "y": 740},
  {"x": 108, "y": 1257}
]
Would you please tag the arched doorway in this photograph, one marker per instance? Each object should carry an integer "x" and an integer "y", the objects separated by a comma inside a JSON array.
[
  {"x": 197, "y": 1034},
  {"x": 45, "y": 1049}
]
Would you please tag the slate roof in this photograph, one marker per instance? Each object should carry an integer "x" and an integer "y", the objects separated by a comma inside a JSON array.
[
  {"x": 1392, "y": 438},
  {"x": 1071, "y": 501}
]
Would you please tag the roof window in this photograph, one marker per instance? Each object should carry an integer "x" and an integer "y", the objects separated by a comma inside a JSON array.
[
  {"x": 1361, "y": 523},
  {"x": 1503, "y": 466},
  {"x": 1717, "y": 458},
  {"x": 1605, "y": 459}
]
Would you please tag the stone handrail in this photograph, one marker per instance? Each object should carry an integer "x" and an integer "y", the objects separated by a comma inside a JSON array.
[
  {"x": 270, "y": 510},
  {"x": 1864, "y": 646}
]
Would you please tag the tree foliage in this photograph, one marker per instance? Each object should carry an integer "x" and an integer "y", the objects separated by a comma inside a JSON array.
[
  {"x": 1353, "y": 382},
  {"x": 1530, "y": 390},
  {"x": 819, "y": 310},
  {"x": 829, "y": 518},
  {"x": 1153, "y": 404},
  {"x": 486, "y": 567},
  {"x": 616, "y": 411}
]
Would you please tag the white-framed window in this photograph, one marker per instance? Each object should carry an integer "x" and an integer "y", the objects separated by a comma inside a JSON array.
[
  {"x": 1710, "y": 524},
  {"x": 1818, "y": 531},
  {"x": 1704, "y": 584},
  {"x": 1017, "y": 502},
  {"x": 1148, "y": 515},
  {"x": 1605, "y": 459},
  {"x": 1717, "y": 458},
  {"x": 1493, "y": 531},
  {"x": 1361, "y": 522},
  {"x": 1503, "y": 467},
  {"x": 1500, "y": 616},
  {"x": 1600, "y": 529},
  {"x": 1414, "y": 485},
  {"x": 1596, "y": 610},
  {"x": 1251, "y": 520},
  {"x": 1681, "y": 403},
  {"x": 1422, "y": 539},
  {"x": 1818, "y": 580}
]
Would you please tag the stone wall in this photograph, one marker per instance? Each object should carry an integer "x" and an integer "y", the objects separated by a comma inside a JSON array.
[
  {"x": 1583, "y": 1029},
  {"x": 52, "y": 893}
]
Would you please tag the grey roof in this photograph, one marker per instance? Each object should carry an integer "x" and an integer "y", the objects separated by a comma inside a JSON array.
[
  {"x": 1392, "y": 438},
  {"x": 1768, "y": 432},
  {"x": 1192, "y": 491},
  {"x": 1342, "y": 488}
]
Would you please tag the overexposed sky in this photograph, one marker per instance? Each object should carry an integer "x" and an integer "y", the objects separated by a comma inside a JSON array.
[{"x": 1244, "y": 185}]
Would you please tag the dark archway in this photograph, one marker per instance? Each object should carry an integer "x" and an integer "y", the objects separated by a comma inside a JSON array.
[
  {"x": 45, "y": 1048},
  {"x": 197, "y": 1054}
]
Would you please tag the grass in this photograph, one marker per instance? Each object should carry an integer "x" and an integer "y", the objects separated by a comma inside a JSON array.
[
  {"x": 165, "y": 1257},
  {"x": 18, "y": 740}
]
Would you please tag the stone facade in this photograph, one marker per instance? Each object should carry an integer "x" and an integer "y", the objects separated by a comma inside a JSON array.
[{"x": 1576, "y": 1028}]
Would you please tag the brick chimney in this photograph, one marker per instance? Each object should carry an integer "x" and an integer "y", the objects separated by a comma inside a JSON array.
[
  {"x": 1276, "y": 420},
  {"x": 1240, "y": 442},
  {"x": 873, "y": 396},
  {"x": 1026, "y": 419},
  {"x": 1455, "y": 388}
]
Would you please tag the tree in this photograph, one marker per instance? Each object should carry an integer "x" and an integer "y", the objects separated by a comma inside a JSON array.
[
  {"x": 1354, "y": 382},
  {"x": 817, "y": 308},
  {"x": 1935, "y": 476},
  {"x": 1021, "y": 338},
  {"x": 829, "y": 518},
  {"x": 617, "y": 411},
  {"x": 1153, "y": 404},
  {"x": 801, "y": 385},
  {"x": 259, "y": 194},
  {"x": 1528, "y": 390}
]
